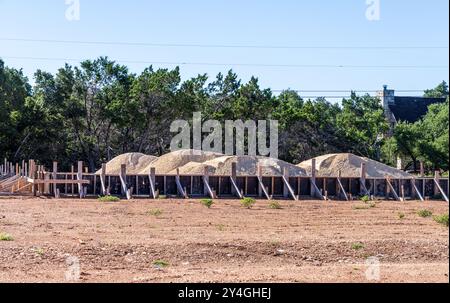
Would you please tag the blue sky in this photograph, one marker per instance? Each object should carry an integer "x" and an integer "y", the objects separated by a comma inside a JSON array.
[{"x": 246, "y": 22}]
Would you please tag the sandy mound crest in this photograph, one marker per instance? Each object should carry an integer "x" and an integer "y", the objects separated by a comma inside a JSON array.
[
  {"x": 135, "y": 162},
  {"x": 168, "y": 163},
  {"x": 246, "y": 165},
  {"x": 350, "y": 166}
]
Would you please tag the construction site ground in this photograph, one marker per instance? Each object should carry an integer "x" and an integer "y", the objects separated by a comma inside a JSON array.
[{"x": 184, "y": 241}]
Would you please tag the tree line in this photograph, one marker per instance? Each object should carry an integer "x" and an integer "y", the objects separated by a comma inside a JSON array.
[{"x": 99, "y": 109}]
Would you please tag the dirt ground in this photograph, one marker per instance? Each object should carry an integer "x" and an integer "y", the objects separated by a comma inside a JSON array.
[{"x": 307, "y": 241}]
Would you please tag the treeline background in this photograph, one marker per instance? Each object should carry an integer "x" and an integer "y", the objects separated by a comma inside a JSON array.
[{"x": 97, "y": 110}]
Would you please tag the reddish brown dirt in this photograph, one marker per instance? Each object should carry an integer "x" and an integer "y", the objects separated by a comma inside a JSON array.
[{"x": 306, "y": 241}]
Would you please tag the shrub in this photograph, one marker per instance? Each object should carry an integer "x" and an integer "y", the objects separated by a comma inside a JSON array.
[
  {"x": 248, "y": 202},
  {"x": 401, "y": 216},
  {"x": 6, "y": 237},
  {"x": 207, "y": 202},
  {"x": 443, "y": 219},
  {"x": 155, "y": 212},
  {"x": 275, "y": 205},
  {"x": 109, "y": 199},
  {"x": 357, "y": 246},
  {"x": 424, "y": 213}
]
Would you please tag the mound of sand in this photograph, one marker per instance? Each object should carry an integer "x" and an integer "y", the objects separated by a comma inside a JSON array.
[
  {"x": 245, "y": 165},
  {"x": 135, "y": 162},
  {"x": 168, "y": 163},
  {"x": 350, "y": 166}
]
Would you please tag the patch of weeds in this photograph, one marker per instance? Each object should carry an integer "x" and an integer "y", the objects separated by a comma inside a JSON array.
[
  {"x": 221, "y": 227},
  {"x": 248, "y": 202},
  {"x": 443, "y": 219},
  {"x": 6, "y": 237},
  {"x": 401, "y": 216},
  {"x": 155, "y": 212},
  {"x": 425, "y": 213},
  {"x": 160, "y": 263},
  {"x": 39, "y": 251},
  {"x": 108, "y": 199},
  {"x": 207, "y": 202},
  {"x": 365, "y": 199},
  {"x": 357, "y": 246},
  {"x": 162, "y": 197},
  {"x": 275, "y": 205}
]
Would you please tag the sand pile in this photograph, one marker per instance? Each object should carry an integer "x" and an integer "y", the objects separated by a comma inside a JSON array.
[
  {"x": 350, "y": 166},
  {"x": 245, "y": 165},
  {"x": 135, "y": 162},
  {"x": 167, "y": 164}
]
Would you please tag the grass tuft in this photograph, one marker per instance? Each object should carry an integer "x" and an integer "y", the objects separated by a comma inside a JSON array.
[
  {"x": 207, "y": 202},
  {"x": 6, "y": 237},
  {"x": 425, "y": 213},
  {"x": 161, "y": 263},
  {"x": 357, "y": 246},
  {"x": 109, "y": 199},
  {"x": 275, "y": 205},
  {"x": 155, "y": 212},
  {"x": 248, "y": 202},
  {"x": 442, "y": 219}
]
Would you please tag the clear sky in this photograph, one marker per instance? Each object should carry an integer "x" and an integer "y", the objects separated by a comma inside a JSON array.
[{"x": 290, "y": 23}]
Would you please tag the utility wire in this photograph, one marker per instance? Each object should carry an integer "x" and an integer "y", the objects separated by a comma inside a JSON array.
[
  {"x": 385, "y": 47},
  {"x": 246, "y": 64}
]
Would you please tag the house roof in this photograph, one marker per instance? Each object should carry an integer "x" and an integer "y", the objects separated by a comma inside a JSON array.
[{"x": 412, "y": 109}]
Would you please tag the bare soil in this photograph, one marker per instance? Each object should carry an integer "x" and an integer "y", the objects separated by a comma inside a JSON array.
[{"x": 307, "y": 241}]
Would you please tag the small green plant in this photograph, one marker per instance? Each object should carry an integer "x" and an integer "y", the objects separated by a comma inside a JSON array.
[
  {"x": 6, "y": 237},
  {"x": 365, "y": 199},
  {"x": 207, "y": 202},
  {"x": 221, "y": 227},
  {"x": 425, "y": 213},
  {"x": 275, "y": 205},
  {"x": 162, "y": 197},
  {"x": 443, "y": 219},
  {"x": 109, "y": 199},
  {"x": 39, "y": 251},
  {"x": 160, "y": 263},
  {"x": 401, "y": 216},
  {"x": 357, "y": 246},
  {"x": 248, "y": 202},
  {"x": 155, "y": 212}
]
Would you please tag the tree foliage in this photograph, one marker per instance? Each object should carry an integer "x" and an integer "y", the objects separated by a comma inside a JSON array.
[{"x": 99, "y": 109}]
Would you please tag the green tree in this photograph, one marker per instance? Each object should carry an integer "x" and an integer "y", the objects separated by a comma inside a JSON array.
[
  {"x": 440, "y": 91},
  {"x": 362, "y": 122}
]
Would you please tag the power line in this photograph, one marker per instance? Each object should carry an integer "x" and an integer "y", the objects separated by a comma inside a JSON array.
[
  {"x": 347, "y": 91},
  {"x": 343, "y": 47},
  {"x": 245, "y": 64}
]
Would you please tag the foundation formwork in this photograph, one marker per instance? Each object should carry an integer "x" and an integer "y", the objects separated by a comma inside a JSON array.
[{"x": 81, "y": 183}]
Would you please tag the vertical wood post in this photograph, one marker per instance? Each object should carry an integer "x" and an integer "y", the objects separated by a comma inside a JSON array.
[
  {"x": 55, "y": 170},
  {"x": 363, "y": 178},
  {"x": 80, "y": 177},
  {"x": 313, "y": 178}
]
